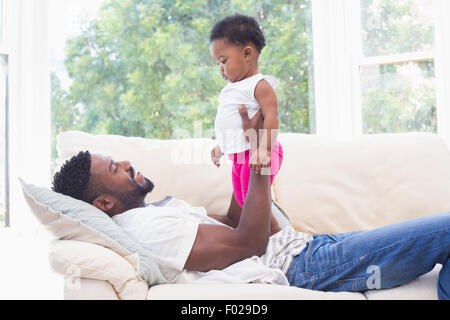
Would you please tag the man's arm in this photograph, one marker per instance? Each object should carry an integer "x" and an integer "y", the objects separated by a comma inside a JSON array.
[
  {"x": 234, "y": 214},
  {"x": 217, "y": 246}
]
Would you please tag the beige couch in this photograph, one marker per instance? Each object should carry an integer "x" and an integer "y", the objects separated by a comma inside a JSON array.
[{"x": 326, "y": 185}]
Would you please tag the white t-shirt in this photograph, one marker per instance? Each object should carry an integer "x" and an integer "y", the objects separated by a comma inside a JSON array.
[
  {"x": 228, "y": 124},
  {"x": 168, "y": 229}
]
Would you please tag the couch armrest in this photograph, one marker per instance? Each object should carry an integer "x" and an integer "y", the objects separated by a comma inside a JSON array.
[{"x": 77, "y": 259}]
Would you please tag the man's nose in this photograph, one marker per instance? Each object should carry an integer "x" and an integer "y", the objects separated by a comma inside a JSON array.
[{"x": 125, "y": 165}]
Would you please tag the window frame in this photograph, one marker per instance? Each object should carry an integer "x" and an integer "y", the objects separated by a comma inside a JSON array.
[{"x": 4, "y": 57}]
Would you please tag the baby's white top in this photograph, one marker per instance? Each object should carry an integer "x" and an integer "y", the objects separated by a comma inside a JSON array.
[{"x": 228, "y": 125}]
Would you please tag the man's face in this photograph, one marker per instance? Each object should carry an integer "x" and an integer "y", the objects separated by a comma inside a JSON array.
[{"x": 121, "y": 180}]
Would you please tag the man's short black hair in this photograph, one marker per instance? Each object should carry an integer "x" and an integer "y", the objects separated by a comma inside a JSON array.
[
  {"x": 73, "y": 177},
  {"x": 240, "y": 30}
]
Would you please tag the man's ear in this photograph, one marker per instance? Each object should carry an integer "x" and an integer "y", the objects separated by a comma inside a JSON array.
[
  {"x": 105, "y": 203},
  {"x": 248, "y": 52}
]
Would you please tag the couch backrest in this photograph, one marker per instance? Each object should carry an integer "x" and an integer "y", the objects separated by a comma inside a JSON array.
[
  {"x": 340, "y": 185},
  {"x": 324, "y": 185},
  {"x": 180, "y": 168}
]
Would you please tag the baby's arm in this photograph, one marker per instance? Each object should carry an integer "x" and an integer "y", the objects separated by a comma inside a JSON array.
[{"x": 267, "y": 99}]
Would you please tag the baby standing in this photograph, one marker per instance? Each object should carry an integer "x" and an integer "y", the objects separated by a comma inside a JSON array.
[{"x": 236, "y": 43}]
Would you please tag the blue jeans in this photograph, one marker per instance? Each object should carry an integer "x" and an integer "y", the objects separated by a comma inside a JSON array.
[{"x": 381, "y": 258}]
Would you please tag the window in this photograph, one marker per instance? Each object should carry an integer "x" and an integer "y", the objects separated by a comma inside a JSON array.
[
  {"x": 397, "y": 71},
  {"x": 143, "y": 68},
  {"x": 381, "y": 66},
  {"x": 4, "y": 170}
]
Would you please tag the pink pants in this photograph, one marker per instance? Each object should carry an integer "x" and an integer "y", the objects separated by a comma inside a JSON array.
[{"x": 241, "y": 170}]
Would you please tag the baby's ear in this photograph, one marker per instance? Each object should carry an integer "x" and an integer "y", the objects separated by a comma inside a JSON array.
[{"x": 249, "y": 51}]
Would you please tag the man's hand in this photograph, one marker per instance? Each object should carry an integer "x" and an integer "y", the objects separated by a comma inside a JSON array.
[
  {"x": 250, "y": 126},
  {"x": 260, "y": 161},
  {"x": 216, "y": 154},
  {"x": 260, "y": 156}
]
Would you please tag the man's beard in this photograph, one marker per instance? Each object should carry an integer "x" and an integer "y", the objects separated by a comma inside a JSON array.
[
  {"x": 131, "y": 199},
  {"x": 148, "y": 184},
  {"x": 147, "y": 188}
]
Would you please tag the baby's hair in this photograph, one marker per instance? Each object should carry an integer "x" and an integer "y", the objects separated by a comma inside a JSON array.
[{"x": 240, "y": 30}]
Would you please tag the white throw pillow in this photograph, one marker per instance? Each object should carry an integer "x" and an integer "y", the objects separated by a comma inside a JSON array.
[{"x": 71, "y": 219}]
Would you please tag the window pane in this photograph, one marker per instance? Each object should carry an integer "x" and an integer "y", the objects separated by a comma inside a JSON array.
[
  {"x": 393, "y": 26},
  {"x": 399, "y": 97},
  {"x": 143, "y": 67}
]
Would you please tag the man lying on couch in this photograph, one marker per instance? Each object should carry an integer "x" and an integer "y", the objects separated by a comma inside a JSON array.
[{"x": 247, "y": 245}]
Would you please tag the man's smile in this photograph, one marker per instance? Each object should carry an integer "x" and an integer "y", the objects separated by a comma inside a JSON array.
[{"x": 139, "y": 178}]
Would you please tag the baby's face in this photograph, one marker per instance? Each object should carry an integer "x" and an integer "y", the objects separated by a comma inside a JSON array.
[{"x": 232, "y": 60}]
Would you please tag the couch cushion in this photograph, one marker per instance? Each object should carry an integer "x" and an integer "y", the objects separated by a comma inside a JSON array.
[
  {"x": 71, "y": 219},
  {"x": 254, "y": 291},
  {"x": 333, "y": 185},
  {"x": 180, "y": 168}
]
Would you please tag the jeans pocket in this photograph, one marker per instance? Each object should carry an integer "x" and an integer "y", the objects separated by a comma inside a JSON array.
[
  {"x": 354, "y": 284},
  {"x": 317, "y": 259},
  {"x": 332, "y": 238}
]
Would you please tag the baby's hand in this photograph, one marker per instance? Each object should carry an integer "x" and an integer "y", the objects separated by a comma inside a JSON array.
[
  {"x": 260, "y": 161},
  {"x": 216, "y": 154}
]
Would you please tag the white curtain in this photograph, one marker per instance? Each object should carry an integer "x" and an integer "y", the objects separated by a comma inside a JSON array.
[
  {"x": 26, "y": 40},
  {"x": 442, "y": 63},
  {"x": 337, "y": 112}
]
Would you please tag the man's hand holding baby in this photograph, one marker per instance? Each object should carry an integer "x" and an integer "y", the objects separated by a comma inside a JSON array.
[{"x": 260, "y": 157}]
